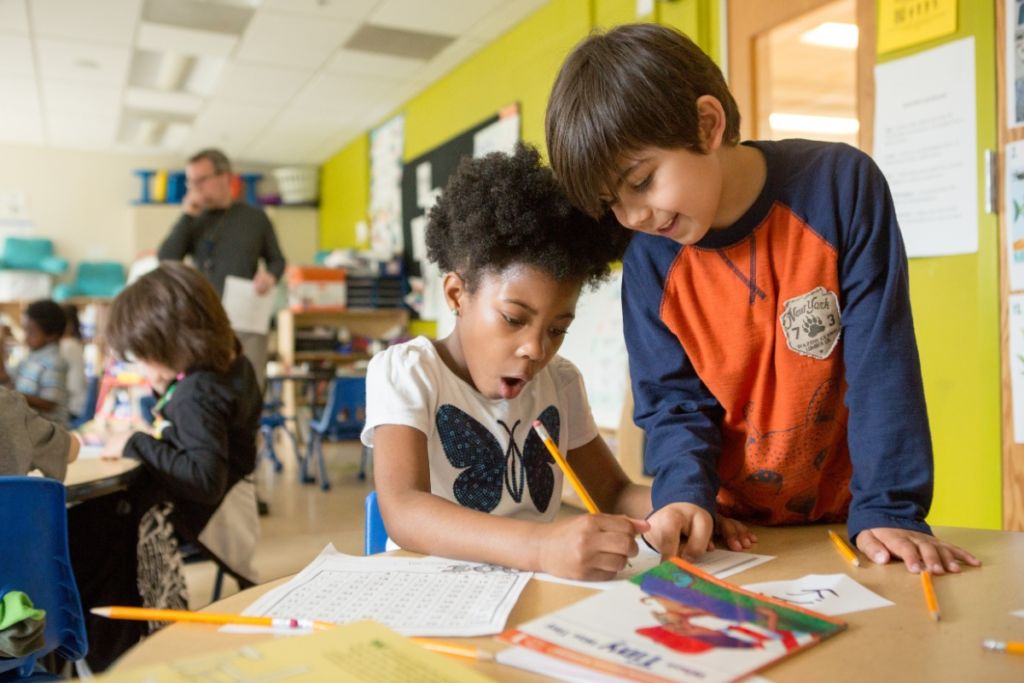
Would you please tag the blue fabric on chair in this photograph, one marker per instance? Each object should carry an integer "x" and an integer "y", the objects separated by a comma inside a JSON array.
[
  {"x": 375, "y": 536},
  {"x": 104, "y": 279},
  {"x": 32, "y": 253},
  {"x": 342, "y": 418},
  {"x": 35, "y": 560},
  {"x": 92, "y": 390}
]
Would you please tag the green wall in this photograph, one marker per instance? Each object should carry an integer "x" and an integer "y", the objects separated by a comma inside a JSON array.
[
  {"x": 956, "y": 317},
  {"x": 955, "y": 299}
]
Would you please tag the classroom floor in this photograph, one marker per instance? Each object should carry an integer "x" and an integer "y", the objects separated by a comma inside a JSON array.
[{"x": 302, "y": 520}]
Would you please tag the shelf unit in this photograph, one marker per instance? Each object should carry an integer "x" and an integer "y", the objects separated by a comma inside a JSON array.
[{"x": 363, "y": 322}]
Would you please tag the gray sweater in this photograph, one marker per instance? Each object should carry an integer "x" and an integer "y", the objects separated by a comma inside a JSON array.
[{"x": 28, "y": 441}]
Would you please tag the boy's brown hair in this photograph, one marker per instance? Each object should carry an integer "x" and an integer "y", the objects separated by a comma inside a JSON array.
[
  {"x": 633, "y": 87},
  {"x": 174, "y": 317}
]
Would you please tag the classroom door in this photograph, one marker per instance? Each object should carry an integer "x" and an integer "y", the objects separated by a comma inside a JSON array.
[{"x": 955, "y": 299}]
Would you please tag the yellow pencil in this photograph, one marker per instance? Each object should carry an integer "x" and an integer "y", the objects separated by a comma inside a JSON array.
[
  {"x": 146, "y": 614},
  {"x": 844, "y": 549},
  {"x": 929, "y": 594},
  {"x": 1007, "y": 646},
  {"x": 456, "y": 649},
  {"x": 563, "y": 464}
]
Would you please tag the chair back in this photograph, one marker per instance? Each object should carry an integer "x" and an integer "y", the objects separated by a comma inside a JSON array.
[
  {"x": 92, "y": 391},
  {"x": 375, "y": 536},
  {"x": 35, "y": 560},
  {"x": 99, "y": 278},
  {"x": 345, "y": 413},
  {"x": 26, "y": 253}
]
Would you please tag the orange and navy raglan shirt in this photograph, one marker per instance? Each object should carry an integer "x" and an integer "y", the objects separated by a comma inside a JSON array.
[{"x": 774, "y": 365}]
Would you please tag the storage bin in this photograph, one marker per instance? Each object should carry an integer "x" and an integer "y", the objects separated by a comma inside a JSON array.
[
  {"x": 297, "y": 184},
  {"x": 312, "y": 288}
]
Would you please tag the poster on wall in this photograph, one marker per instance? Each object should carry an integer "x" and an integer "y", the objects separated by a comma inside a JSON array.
[
  {"x": 902, "y": 23},
  {"x": 386, "y": 149},
  {"x": 1014, "y": 60},
  {"x": 1015, "y": 303},
  {"x": 926, "y": 143},
  {"x": 423, "y": 178},
  {"x": 1013, "y": 198}
]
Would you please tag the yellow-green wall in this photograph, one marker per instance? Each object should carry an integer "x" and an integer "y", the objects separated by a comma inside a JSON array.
[
  {"x": 956, "y": 317},
  {"x": 955, "y": 299}
]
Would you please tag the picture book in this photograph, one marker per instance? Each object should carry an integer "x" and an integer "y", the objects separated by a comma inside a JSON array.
[{"x": 674, "y": 623}]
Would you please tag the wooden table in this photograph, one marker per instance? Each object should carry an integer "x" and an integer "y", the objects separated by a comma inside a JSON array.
[
  {"x": 94, "y": 477},
  {"x": 891, "y": 643}
]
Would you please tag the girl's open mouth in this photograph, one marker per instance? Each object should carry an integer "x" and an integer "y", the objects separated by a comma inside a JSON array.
[{"x": 511, "y": 387}]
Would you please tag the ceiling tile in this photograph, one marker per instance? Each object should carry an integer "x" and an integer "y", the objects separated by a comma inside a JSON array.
[
  {"x": 295, "y": 137},
  {"x": 188, "y": 41},
  {"x": 446, "y": 17},
  {"x": 264, "y": 85},
  {"x": 21, "y": 97},
  {"x": 229, "y": 126},
  {"x": 291, "y": 39},
  {"x": 13, "y": 16},
  {"x": 77, "y": 99},
  {"x": 21, "y": 129},
  {"x": 222, "y": 17},
  {"x": 163, "y": 101},
  {"x": 82, "y": 62},
  {"x": 504, "y": 17},
  {"x": 16, "y": 55},
  {"x": 100, "y": 21},
  {"x": 80, "y": 131},
  {"x": 339, "y": 93},
  {"x": 354, "y": 10},
  {"x": 367, "y": 64},
  {"x": 452, "y": 56}
]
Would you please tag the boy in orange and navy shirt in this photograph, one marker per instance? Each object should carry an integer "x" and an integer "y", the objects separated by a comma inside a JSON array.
[{"x": 765, "y": 301}]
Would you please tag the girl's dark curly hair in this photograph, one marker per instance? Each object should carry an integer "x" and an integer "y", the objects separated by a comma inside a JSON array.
[{"x": 503, "y": 210}]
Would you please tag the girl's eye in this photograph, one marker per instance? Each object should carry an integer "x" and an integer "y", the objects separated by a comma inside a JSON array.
[
  {"x": 514, "y": 322},
  {"x": 558, "y": 332},
  {"x": 643, "y": 184}
]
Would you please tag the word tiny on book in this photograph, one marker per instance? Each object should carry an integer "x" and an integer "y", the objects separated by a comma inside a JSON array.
[{"x": 674, "y": 622}]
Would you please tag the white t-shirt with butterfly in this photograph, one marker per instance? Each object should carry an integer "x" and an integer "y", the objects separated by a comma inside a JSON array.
[{"x": 484, "y": 453}]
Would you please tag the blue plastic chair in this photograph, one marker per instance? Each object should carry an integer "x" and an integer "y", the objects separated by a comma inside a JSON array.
[
  {"x": 375, "y": 536},
  {"x": 342, "y": 419},
  {"x": 32, "y": 253},
  {"x": 103, "y": 279},
  {"x": 271, "y": 420},
  {"x": 35, "y": 561}
]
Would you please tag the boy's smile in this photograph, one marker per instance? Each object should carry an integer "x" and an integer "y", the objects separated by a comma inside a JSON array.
[{"x": 508, "y": 329}]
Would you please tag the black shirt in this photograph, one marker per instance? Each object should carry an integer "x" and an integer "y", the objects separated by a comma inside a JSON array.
[{"x": 225, "y": 242}]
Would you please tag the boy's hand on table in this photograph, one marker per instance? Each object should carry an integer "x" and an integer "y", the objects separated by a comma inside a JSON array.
[
  {"x": 675, "y": 520},
  {"x": 917, "y": 550},
  {"x": 113, "y": 445},
  {"x": 589, "y": 547},
  {"x": 736, "y": 535}
]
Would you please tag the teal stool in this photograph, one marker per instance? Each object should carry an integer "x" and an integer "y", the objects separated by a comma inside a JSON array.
[{"x": 100, "y": 279}]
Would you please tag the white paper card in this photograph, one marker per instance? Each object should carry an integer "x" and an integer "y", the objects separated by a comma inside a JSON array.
[
  {"x": 247, "y": 310},
  {"x": 926, "y": 145},
  {"x": 1018, "y": 613},
  {"x": 830, "y": 594},
  {"x": 427, "y": 596},
  {"x": 718, "y": 563}
]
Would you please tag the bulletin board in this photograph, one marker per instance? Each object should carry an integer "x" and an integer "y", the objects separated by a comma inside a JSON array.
[{"x": 422, "y": 181}]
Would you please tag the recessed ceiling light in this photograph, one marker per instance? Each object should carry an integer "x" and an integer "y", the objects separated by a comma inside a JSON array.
[
  {"x": 86, "y": 63},
  {"x": 832, "y": 34}
]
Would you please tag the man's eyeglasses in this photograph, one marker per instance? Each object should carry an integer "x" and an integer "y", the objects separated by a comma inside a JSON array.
[{"x": 196, "y": 182}]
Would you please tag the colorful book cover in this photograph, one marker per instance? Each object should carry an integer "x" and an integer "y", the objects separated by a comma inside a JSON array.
[{"x": 675, "y": 623}]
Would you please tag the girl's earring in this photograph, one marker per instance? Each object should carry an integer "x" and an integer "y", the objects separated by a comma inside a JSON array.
[{"x": 455, "y": 312}]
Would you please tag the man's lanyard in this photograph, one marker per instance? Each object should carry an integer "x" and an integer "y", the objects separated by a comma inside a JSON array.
[{"x": 158, "y": 408}]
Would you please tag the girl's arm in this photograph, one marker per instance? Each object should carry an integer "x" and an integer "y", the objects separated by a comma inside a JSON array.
[{"x": 593, "y": 547}]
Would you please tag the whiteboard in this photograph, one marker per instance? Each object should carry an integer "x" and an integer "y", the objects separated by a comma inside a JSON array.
[{"x": 596, "y": 346}]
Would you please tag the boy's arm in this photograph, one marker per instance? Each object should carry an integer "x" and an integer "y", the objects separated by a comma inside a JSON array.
[
  {"x": 678, "y": 414},
  {"x": 888, "y": 434}
]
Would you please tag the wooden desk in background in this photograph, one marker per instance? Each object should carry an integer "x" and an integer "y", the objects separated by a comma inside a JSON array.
[
  {"x": 891, "y": 643},
  {"x": 93, "y": 477}
]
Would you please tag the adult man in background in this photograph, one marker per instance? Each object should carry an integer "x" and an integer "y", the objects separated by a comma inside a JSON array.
[{"x": 225, "y": 237}]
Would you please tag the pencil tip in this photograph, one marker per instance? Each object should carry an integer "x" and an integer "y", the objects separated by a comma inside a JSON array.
[{"x": 101, "y": 611}]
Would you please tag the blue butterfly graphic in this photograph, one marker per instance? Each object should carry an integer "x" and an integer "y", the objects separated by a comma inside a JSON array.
[{"x": 491, "y": 468}]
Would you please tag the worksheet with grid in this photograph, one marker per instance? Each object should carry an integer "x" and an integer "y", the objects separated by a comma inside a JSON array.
[{"x": 427, "y": 596}]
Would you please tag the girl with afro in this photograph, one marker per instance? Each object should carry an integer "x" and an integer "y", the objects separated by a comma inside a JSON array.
[{"x": 458, "y": 470}]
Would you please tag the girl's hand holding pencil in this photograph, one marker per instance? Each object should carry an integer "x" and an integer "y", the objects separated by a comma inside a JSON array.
[{"x": 588, "y": 547}]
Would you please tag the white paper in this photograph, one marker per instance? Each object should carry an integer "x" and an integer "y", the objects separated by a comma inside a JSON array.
[
  {"x": 830, "y": 594},
  {"x": 500, "y": 136},
  {"x": 1013, "y": 206},
  {"x": 386, "y": 144},
  {"x": 1018, "y": 613},
  {"x": 414, "y": 596},
  {"x": 926, "y": 144},
  {"x": 247, "y": 310},
  {"x": 1015, "y": 304},
  {"x": 424, "y": 185},
  {"x": 719, "y": 563}
]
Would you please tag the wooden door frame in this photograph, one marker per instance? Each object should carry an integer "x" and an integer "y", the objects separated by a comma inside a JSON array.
[
  {"x": 1012, "y": 453},
  {"x": 748, "y": 18}
]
